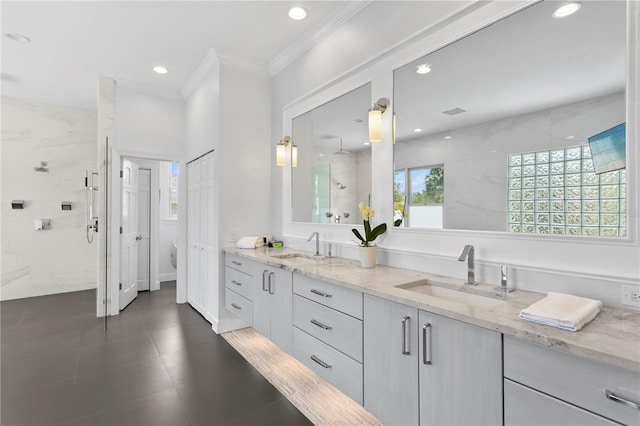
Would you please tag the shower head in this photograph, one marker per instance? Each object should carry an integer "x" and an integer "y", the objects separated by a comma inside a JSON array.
[
  {"x": 341, "y": 151},
  {"x": 42, "y": 168}
]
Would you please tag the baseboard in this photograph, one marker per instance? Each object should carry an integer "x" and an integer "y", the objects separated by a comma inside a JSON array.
[
  {"x": 171, "y": 276},
  {"x": 227, "y": 324}
]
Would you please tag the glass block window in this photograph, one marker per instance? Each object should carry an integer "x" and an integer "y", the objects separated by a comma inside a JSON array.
[{"x": 557, "y": 192}]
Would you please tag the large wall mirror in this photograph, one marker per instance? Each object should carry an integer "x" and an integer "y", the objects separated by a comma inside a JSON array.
[
  {"x": 493, "y": 132},
  {"x": 333, "y": 173}
]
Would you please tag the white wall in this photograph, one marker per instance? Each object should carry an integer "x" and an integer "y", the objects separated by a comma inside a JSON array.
[
  {"x": 149, "y": 126},
  {"x": 227, "y": 110},
  {"x": 590, "y": 267},
  {"x": 58, "y": 260}
]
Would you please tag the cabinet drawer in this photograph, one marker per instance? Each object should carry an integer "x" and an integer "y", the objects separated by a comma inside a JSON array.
[
  {"x": 239, "y": 263},
  {"x": 341, "y": 371},
  {"x": 339, "y": 298},
  {"x": 573, "y": 379},
  {"x": 524, "y": 406},
  {"x": 240, "y": 306},
  {"x": 239, "y": 282},
  {"x": 338, "y": 330}
]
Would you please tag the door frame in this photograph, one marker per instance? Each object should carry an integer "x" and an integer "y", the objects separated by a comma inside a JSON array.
[{"x": 114, "y": 215}]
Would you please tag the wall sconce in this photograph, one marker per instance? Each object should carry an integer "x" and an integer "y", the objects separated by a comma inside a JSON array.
[
  {"x": 281, "y": 152},
  {"x": 375, "y": 119},
  {"x": 294, "y": 155}
]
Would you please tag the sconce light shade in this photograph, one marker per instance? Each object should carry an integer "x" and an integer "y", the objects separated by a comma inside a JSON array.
[
  {"x": 280, "y": 155},
  {"x": 375, "y": 119},
  {"x": 281, "y": 151},
  {"x": 375, "y": 125},
  {"x": 294, "y": 155}
]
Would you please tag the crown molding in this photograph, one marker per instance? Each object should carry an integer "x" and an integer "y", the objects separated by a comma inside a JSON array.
[
  {"x": 302, "y": 45},
  {"x": 243, "y": 63},
  {"x": 208, "y": 65}
]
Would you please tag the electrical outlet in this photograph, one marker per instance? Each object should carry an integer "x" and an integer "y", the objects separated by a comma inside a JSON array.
[
  {"x": 631, "y": 296},
  {"x": 234, "y": 236}
]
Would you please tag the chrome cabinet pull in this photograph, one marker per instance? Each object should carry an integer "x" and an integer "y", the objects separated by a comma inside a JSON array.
[
  {"x": 236, "y": 282},
  {"x": 617, "y": 398},
  {"x": 272, "y": 287},
  {"x": 320, "y": 362},
  {"x": 320, "y": 293},
  {"x": 405, "y": 351},
  {"x": 321, "y": 325},
  {"x": 236, "y": 306},
  {"x": 236, "y": 263},
  {"x": 426, "y": 344},
  {"x": 264, "y": 280}
]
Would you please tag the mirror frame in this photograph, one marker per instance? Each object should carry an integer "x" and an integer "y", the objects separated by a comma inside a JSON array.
[{"x": 379, "y": 71}]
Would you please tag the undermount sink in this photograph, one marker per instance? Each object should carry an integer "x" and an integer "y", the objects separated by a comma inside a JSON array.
[
  {"x": 457, "y": 295},
  {"x": 296, "y": 256}
]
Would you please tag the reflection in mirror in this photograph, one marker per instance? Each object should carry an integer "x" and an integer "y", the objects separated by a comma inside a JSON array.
[
  {"x": 494, "y": 136},
  {"x": 334, "y": 160}
]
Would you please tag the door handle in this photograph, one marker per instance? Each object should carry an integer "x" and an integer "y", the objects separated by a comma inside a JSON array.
[
  {"x": 405, "y": 351},
  {"x": 426, "y": 344},
  {"x": 272, "y": 287},
  {"x": 264, "y": 280},
  {"x": 138, "y": 237}
]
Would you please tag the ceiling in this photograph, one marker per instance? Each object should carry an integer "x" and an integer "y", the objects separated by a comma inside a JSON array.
[{"x": 74, "y": 42}]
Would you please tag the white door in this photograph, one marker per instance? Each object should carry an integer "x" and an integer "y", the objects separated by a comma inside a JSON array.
[
  {"x": 129, "y": 237},
  {"x": 144, "y": 215}
]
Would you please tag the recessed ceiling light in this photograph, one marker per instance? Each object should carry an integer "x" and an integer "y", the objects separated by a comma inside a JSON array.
[
  {"x": 297, "y": 13},
  {"x": 18, "y": 37},
  {"x": 566, "y": 10},
  {"x": 367, "y": 143},
  {"x": 417, "y": 130},
  {"x": 448, "y": 137},
  {"x": 423, "y": 69},
  {"x": 160, "y": 70},
  {"x": 570, "y": 137}
]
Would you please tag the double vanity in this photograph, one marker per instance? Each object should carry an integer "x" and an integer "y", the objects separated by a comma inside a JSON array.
[{"x": 415, "y": 348}]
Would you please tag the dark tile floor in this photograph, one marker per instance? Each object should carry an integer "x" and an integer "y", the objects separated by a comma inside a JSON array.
[{"x": 158, "y": 364}]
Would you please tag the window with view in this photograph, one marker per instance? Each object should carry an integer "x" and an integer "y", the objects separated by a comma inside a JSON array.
[
  {"x": 418, "y": 195},
  {"x": 558, "y": 192}
]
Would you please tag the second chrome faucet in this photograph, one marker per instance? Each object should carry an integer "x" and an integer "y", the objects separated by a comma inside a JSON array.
[{"x": 467, "y": 254}]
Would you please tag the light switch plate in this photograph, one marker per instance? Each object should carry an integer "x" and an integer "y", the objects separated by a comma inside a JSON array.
[{"x": 631, "y": 296}]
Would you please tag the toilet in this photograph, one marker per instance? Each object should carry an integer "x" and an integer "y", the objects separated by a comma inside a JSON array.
[{"x": 174, "y": 254}]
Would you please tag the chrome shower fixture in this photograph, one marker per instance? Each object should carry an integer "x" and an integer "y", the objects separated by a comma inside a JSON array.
[
  {"x": 42, "y": 168},
  {"x": 90, "y": 188}
]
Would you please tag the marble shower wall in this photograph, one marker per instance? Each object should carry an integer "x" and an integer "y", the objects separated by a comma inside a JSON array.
[{"x": 57, "y": 260}]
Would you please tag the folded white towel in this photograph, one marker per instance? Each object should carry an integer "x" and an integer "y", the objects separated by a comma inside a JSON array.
[
  {"x": 563, "y": 311},
  {"x": 249, "y": 242}
]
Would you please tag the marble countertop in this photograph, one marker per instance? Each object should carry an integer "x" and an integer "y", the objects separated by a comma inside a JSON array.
[{"x": 612, "y": 337}]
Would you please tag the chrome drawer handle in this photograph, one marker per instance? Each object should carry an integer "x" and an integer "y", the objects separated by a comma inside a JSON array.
[
  {"x": 405, "y": 351},
  {"x": 320, "y": 362},
  {"x": 264, "y": 280},
  {"x": 321, "y": 325},
  {"x": 236, "y": 263},
  {"x": 320, "y": 293},
  {"x": 236, "y": 306},
  {"x": 426, "y": 344},
  {"x": 236, "y": 282},
  {"x": 613, "y": 397}
]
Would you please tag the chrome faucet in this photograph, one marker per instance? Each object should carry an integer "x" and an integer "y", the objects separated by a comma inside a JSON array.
[
  {"x": 503, "y": 288},
  {"x": 467, "y": 253},
  {"x": 315, "y": 234}
]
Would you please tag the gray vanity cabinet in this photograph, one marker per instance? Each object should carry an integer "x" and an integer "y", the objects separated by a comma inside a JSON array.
[
  {"x": 460, "y": 373},
  {"x": 391, "y": 361},
  {"x": 545, "y": 386},
  {"x": 272, "y": 305}
]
